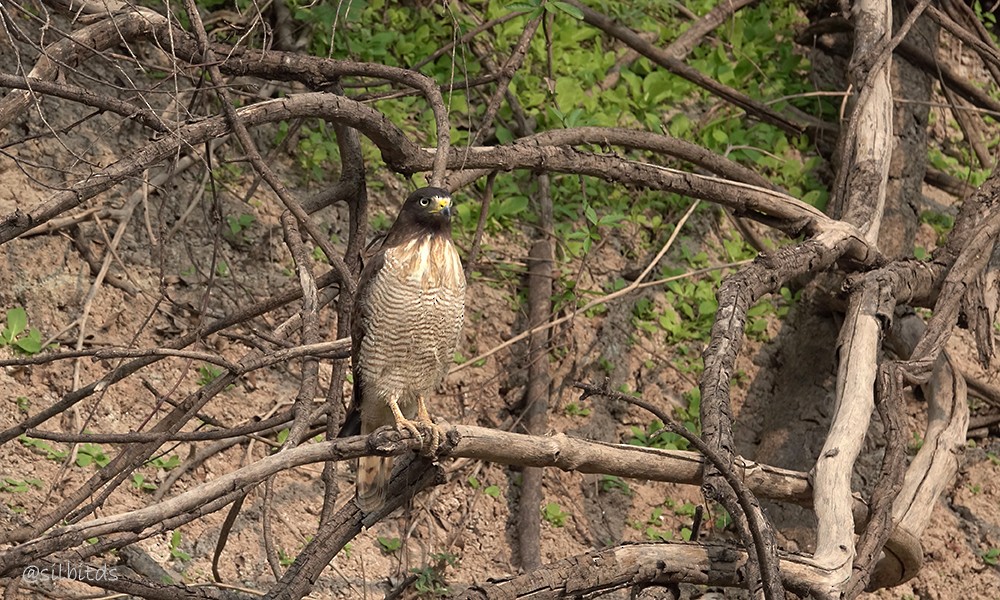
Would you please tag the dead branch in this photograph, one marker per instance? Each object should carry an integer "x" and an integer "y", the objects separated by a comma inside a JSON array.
[
  {"x": 560, "y": 451},
  {"x": 84, "y": 96},
  {"x": 979, "y": 42},
  {"x": 879, "y": 527},
  {"x": 958, "y": 282},
  {"x": 631, "y": 565},
  {"x": 768, "y": 206},
  {"x": 859, "y": 195},
  {"x": 646, "y": 140},
  {"x": 88, "y": 42}
]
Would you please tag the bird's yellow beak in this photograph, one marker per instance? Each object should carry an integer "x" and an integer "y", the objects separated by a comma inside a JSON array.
[{"x": 442, "y": 204}]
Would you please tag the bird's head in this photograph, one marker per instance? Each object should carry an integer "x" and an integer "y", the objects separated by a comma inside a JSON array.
[{"x": 429, "y": 207}]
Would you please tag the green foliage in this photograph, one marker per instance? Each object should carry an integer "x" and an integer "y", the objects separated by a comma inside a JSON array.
[
  {"x": 459, "y": 359},
  {"x": 755, "y": 53},
  {"x": 207, "y": 374},
  {"x": 611, "y": 483},
  {"x": 957, "y": 167},
  {"x": 389, "y": 545},
  {"x": 165, "y": 463},
  {"x": 237, "y": 225},
  {"x": 17, "y": 334},
  {"x": 687, "y": 310},
  {"x": 492, "y": 491},
  {"x": 18, "y": 486},
  {"x": 722, "y": 519},
  {"x": 430, "y": 578},
  {"x": 985, "y": 16},
  {"x": 653, "y": 529},
  {"x": 757, "y": 315},
  {"x": 554, "y": 514},
  {"x": 91, "y": 454},
  {"x": 175, "y": 550},
  {"x": 656, "y": 436},
  {"x": 42, "y": 447},
  {"x": 991, "y": 556},
  {"x": 686, "y": 509},
  {"x": 941, "y": 223},
  {"x": 282, "y": 436},
  {"x": 317, "y": 151},
  {"x": 23, "y": 404},
  {"x": 575, "y": 410},
  {"x": 139, "y": 482}
]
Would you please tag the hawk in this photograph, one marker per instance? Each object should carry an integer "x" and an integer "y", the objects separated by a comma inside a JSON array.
[{"x": 408, "y": 313}]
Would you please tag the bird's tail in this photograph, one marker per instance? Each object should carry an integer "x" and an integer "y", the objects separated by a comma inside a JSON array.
[{"x": 373, "y": 481}]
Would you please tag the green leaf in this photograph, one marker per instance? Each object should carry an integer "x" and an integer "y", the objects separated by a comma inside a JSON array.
[
  {"x": 569, "y": 9},
  {"x": 492, "y": 491},
  {"x": 523, "y": 6},
  {"x": 17, "y": 321},
  {"x": 511, "y": 206},
  {"x": 658, "y": 86},
  {"x": 389, "y": 545},
  {"x": 31, "y": 344},
  {"x": 504, "y": 135}
]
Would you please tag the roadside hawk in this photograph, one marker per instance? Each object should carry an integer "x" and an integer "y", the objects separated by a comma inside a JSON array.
[{"x": 408, "y": 313}]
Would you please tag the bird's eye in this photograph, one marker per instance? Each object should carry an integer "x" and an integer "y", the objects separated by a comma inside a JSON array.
[{"x": 424, "y": 201}]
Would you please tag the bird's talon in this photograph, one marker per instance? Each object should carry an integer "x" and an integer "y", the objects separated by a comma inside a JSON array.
[
  {"x": 433, "y": 439},
  {"x": 412, "y": 428}
]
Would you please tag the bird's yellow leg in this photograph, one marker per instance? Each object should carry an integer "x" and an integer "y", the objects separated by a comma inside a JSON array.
[
  {"x": 402, "y": 422},
  {"x": 424, "y": 417}
]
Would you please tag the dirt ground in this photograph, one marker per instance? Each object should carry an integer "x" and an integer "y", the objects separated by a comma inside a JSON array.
[{"x": 466, "y": 525}]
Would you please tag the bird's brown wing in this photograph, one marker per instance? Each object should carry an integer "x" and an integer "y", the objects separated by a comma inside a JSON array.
[{"x": 359, "y": 324}]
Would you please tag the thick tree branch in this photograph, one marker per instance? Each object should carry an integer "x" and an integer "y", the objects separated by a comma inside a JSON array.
[{"x": 559, "y": 451}]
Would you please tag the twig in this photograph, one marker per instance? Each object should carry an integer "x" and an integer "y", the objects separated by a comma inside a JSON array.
[{"x": 484, "y": 211}]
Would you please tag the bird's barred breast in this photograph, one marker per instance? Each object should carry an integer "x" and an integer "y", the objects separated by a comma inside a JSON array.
[{"x": 415, "y": 314}]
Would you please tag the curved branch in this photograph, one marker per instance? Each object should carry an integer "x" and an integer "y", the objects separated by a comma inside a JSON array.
[{"x": 774, "y": 208}]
